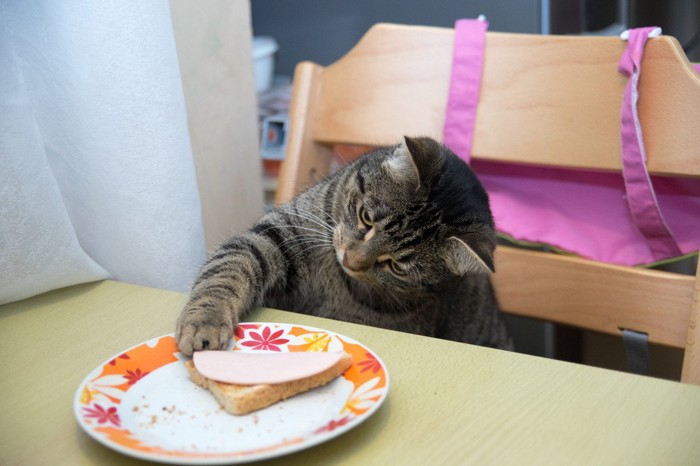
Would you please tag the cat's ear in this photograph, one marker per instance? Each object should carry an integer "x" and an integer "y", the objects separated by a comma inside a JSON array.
[
  {"x": 413, "y": 161},
  {"x": 470, "y": 254}
]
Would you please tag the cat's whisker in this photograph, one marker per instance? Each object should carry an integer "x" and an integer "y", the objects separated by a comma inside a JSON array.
[
  {"x": 299, "y": 227},
  {"x": 322, "y": 211},
  {"x": 316, "y": 219},
  {"x": 310, "y": 217},
  {"x": 308, "y": 239},
  {"x": 304, "y": 247},
  {"x": 415, "y": 274},
  {"x": 316, "y": 239},
  {"x": 302, "y": 212},
  {"x": 392, "y": 298},
  {"x": 387, "y": 296},
  {"x": 307, "y": 246},
  {"x": 343, "y": 158}
]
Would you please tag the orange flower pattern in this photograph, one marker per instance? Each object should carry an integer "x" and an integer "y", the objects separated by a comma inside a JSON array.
[
  {"x": 102, "y": 415},
  {"x": 135, "y": 376},
  {"x": 100, "y": 396},
  {"x": 370, "y": 364},
  {"x": 121, "y": 356}
]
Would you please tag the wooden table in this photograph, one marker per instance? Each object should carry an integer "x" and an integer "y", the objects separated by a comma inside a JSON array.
[{"x": 449, "y": 403}]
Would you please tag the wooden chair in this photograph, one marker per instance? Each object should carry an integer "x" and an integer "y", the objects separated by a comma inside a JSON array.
[{"x": 559, "y": 104}]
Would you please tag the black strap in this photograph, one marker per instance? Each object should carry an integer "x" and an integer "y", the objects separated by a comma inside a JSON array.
[{"x": 636, "y": 351}]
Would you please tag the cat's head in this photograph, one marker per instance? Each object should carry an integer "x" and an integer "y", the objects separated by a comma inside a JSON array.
[{"x": 413, "y": 215}]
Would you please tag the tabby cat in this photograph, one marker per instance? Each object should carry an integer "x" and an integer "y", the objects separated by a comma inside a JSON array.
[{"x": 402, "y": 238}]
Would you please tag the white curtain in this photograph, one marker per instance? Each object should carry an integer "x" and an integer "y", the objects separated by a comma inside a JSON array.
[{"x": 96, "y": 171}]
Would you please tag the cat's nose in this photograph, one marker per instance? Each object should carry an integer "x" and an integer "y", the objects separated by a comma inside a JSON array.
[{"x": 356, "y": 262}]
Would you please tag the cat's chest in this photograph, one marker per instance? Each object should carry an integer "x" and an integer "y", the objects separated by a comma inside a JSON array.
[{"x": 325, "y": 291}]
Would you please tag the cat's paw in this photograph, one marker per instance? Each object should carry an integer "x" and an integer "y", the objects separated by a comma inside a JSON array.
[{"x": 202, "y": 329}]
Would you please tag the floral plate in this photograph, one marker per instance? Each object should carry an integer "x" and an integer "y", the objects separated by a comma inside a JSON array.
[{"x": 142, "y": 402}]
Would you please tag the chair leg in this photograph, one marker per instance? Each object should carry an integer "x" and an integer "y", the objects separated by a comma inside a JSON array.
[{"x": 691, "y": 359}]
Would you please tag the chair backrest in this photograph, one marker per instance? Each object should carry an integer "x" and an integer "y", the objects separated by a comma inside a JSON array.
[{"x": 559, "y": 105}]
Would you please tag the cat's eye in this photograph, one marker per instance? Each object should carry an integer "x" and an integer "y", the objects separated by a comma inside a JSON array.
[
  {"x": 396, "y": 268},
  {"x": 365, "y": 218}
]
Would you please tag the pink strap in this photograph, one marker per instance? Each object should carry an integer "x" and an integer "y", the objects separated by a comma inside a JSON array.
[
  {"x": 641, "y": 198},
  {"x": 465, "y": 81}
]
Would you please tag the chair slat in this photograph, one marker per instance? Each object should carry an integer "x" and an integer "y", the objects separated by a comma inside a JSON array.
[
  {"x": 563, "y": 108},
  {"x": 595, "y": 296}
]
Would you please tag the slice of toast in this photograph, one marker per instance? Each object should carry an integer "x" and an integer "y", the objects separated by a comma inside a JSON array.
[{"x": 243, "y": 399}]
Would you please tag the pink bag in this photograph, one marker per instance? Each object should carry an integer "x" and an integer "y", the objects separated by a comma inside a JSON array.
[{"x": 633, "y": 219}]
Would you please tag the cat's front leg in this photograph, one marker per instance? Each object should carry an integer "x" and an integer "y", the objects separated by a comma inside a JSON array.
[{"x": 232, "y": 282}]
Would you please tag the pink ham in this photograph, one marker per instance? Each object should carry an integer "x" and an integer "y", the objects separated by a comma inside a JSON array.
[{"x": 243, "y": 368}]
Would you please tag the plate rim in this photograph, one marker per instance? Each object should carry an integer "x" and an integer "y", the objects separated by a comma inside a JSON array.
[{"x": 223, "y": 458}]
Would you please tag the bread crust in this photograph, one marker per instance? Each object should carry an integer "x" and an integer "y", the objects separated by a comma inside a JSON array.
[{"x": 244, "y": 399}]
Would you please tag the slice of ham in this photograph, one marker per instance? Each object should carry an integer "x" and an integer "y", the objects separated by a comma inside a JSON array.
[{"x": 243, "y": 368}]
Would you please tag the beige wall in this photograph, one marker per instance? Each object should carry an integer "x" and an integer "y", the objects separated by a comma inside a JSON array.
[{"x": 214, "y": 48}]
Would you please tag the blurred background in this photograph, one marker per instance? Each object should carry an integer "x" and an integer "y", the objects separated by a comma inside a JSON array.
[{"x": 323, "y": 31}]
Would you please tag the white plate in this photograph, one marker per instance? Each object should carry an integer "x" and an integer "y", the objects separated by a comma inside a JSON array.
[{"x": 142, "y": 402}]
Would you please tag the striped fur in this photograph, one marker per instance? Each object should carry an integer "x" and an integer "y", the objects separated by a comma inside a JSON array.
[{"x": 374, "y": 244}]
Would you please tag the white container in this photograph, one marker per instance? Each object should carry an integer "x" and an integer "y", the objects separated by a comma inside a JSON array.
[{"x": 264, "y": 49}]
